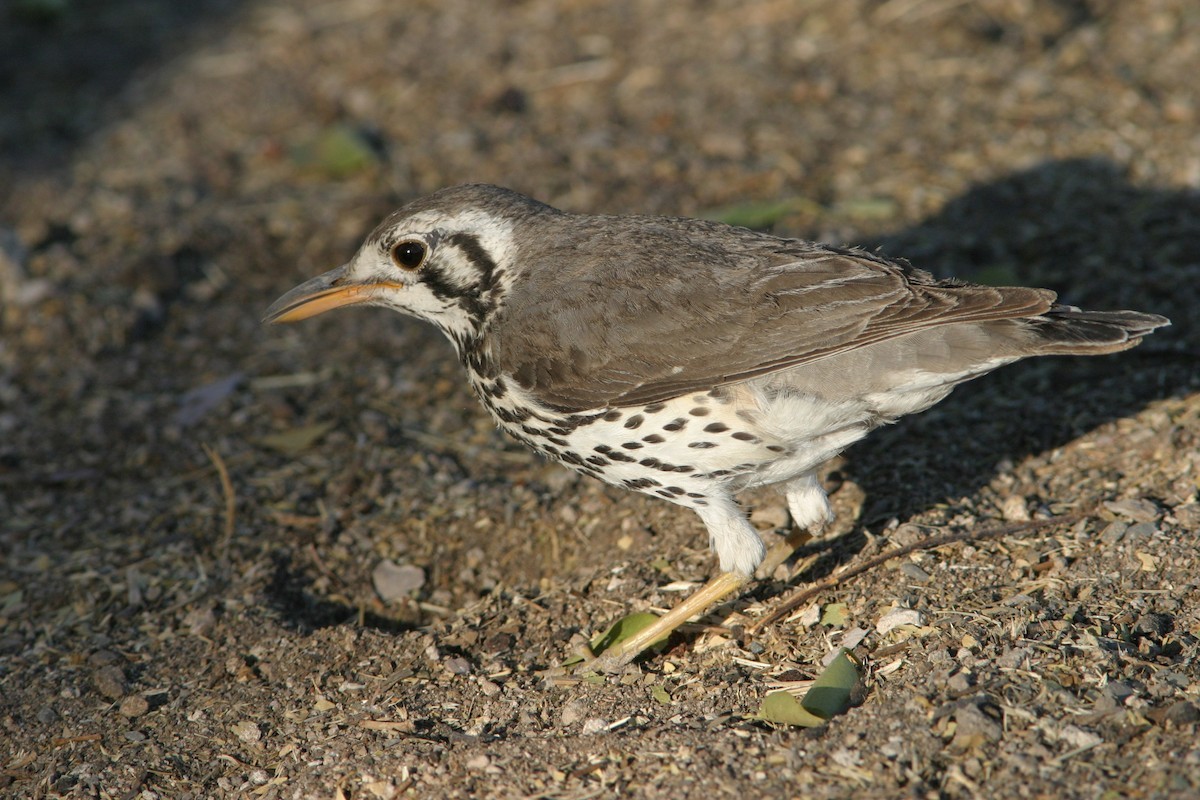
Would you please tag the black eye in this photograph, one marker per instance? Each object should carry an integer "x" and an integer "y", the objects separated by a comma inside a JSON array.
[{"x": 409, "y": 255}]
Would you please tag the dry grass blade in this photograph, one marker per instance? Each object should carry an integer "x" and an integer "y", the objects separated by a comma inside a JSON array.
[
  {"x": 227, "y": 491},
  {"x": 802, "y": 596}
]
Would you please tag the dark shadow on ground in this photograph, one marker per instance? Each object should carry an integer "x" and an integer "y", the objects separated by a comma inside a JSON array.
[
  {"x": 302, "y": 609},
  {"x": 63, "y": 64},
  {"x": 1078, "y": 227}
]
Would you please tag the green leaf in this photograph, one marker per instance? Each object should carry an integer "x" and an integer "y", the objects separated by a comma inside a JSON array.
[
  {"x": 660, "y": 693},
  {"x": 783, "y": 709},
  {"x": 297, "y": 440},
  {"x": 830, "y": 693},
  {"x": 828, "y": 696},
  {"x": 623, "y": 628},
  {"x": 835, "y": 615}
]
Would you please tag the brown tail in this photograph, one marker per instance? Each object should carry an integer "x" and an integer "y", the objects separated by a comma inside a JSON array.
[{"x": 1067, "y": 330}]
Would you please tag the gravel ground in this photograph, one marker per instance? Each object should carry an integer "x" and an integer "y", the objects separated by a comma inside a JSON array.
[{"x": 300, "y": 562}]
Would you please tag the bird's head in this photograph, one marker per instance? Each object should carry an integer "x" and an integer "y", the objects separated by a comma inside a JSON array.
[{"x": 447, "y": 259}]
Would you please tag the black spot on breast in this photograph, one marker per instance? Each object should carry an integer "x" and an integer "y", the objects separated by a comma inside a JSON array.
[
  {"x": 700, "y": 411},
  {"x": 615, "y": 456},
  {"x": 654, "y": 408},
  {"x": 702, "y": 445},
  {"x": 650, "y": 462},
  {"x": 571, "y": 457},
  {"x": 612, "y": 416},
  {"x": 559, "y": 442},
  {"x": 745, "y": 437},
  {"x": 653, "y": 438},
  {"x": 776, "y": 448},
  {"x": 632, "y": 445},
  {"x": 599, "y": 461},
  {"x": 634, "y": 421},
  {"x": 675, "y": 490},
  {"x": 694, "y": 494},
  {"x": 512, "y": 415},
  {"x": 675, "y": 425},
  {"x": 640, "y": 483},
  {"x": 716, "y": 427}
]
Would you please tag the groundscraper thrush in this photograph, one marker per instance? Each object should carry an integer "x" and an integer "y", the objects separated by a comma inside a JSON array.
[{"x": 688, "y": 359}]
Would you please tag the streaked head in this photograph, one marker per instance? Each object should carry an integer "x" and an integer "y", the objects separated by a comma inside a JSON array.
[{"x": 447, "y": 259}]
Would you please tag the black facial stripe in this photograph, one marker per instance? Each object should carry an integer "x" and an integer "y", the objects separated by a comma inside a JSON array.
[
  {"x": 470, "y": 298},
  {"x": 473, "y": 250}
]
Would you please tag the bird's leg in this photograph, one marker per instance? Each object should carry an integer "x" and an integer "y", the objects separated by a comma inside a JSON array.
[
  {"x": 739, "y": 549},
  {"x": 809, "y": 506}
]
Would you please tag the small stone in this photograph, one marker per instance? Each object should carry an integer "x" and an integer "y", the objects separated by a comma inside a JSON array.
[
  {"x": 974, "y": 728},
  {"x": 1136, "y": 509},
  {"x": 478, "y": 763},
  {"x": 913, "y": 572},
  {"x": 1114, "y": 532},
  {"x": 897, "y": 617},
  {"x": 1142, "y": 530},
  {"x": 134, "y": 706},
  {"x": 457, "y": 666},
  {"x": 199, "y": 621},
  {"x": 110, "y": 681},
  {"x": 1013, "y": 508},
  {"x": 594, "y": 725},
  {"x": 102, "y": 658},
  {"x": 247, "y": 731},
  {"x": 393, "y": 581},
  {"x": 1179, "y": 713},
  {"x": 573, "y": 712},
  {"x": 47, "y": 715},
  {"x": 1187, "y": 515},
  {"x": 1012, "y": 658}
]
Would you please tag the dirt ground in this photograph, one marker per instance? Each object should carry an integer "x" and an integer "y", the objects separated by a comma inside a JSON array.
[{"x": 366, "y": 604}]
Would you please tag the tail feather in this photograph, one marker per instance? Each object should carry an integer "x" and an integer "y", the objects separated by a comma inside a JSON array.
[{"x": 1067, "y": 330}]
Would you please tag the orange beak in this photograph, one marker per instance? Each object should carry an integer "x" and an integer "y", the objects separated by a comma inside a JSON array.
[{"x": 316, "y": 296}]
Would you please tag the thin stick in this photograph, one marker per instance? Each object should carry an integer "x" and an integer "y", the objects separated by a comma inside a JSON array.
[
  {"x": 928, "y": 543},
  {"x": 227, "y": 490}
]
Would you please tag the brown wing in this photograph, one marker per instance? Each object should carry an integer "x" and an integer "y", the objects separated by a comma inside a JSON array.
[{"x": 654, "y": 308}]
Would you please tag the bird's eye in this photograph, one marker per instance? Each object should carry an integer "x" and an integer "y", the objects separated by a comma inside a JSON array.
[{"x": 409, "y": 255}]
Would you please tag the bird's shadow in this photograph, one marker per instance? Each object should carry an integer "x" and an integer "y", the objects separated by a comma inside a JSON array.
[{"x": 1081, "y": 228}]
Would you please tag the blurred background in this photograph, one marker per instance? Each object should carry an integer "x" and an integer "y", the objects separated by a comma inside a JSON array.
[{"x": 168, "y": 169}]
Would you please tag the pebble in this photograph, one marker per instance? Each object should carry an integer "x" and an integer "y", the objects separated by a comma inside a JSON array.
[
  {"x": 110, "y": 681},
  {"x": 897, "y": 617},
  {"x": 247, "y": 731},
  {"x": 394, "y": 581},
  {"x": 1133, "y": 508},
  {"x": 134, "y": 706},
  {"x": 974, "y": 728},
  {"x": 913, "y": 572},
  {"x": 1142, "y": 530},
  {"x": 1013, "y": 508}
]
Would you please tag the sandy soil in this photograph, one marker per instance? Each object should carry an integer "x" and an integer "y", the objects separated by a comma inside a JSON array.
[{"x": 367, "y": 603}]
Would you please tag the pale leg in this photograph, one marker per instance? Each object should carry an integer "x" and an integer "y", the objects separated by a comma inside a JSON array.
[
  {"x": 739, "y": 549},
  {"x": 809, "y": 506}
]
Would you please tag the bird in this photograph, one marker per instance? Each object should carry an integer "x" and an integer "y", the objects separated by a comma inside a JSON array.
[{"x": 688, "y": 359}]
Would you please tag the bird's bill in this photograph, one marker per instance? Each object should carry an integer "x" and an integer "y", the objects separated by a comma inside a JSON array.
[{"x": 316, "y": 296}]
